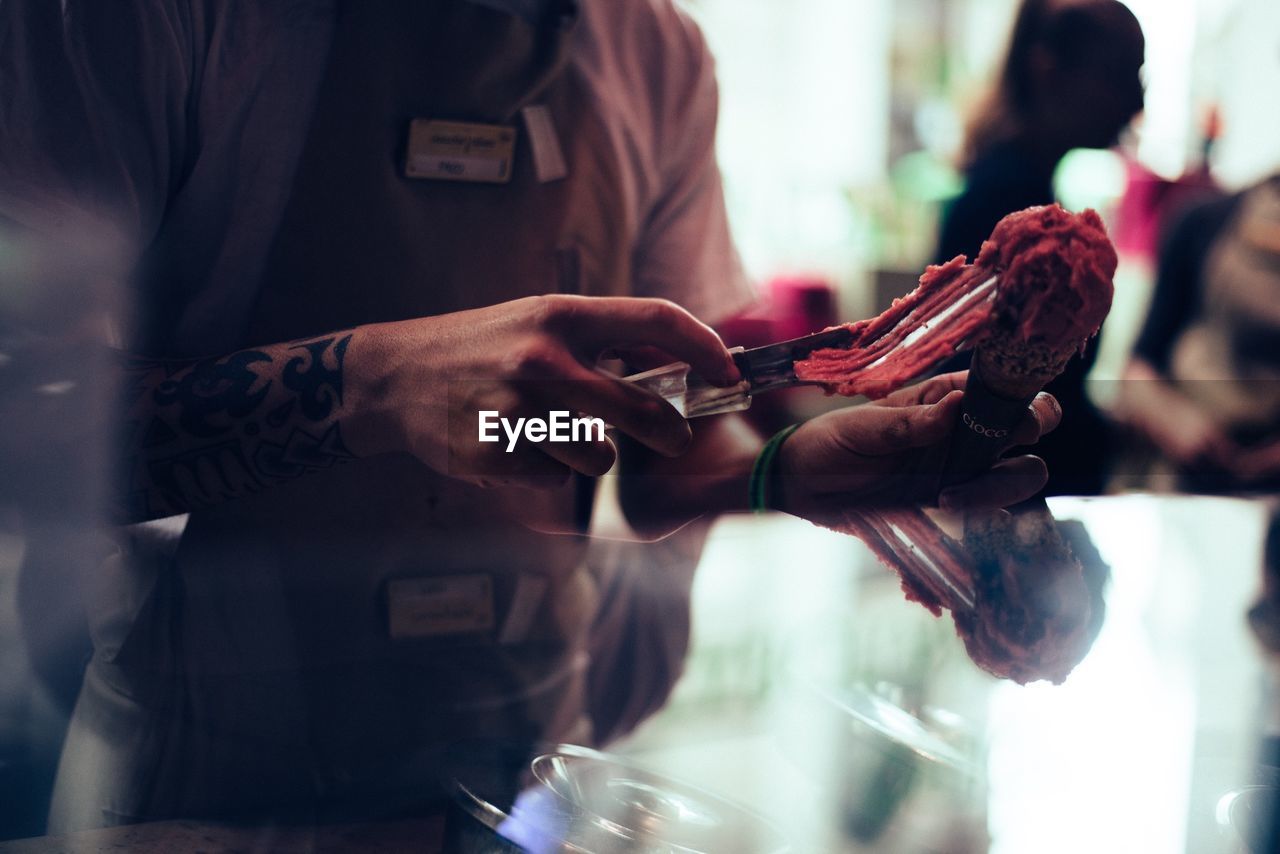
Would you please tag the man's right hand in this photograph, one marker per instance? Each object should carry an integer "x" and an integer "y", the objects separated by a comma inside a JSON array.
[{"x": 419, "y": 385}]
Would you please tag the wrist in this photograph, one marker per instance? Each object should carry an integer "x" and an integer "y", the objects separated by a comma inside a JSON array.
[
  {"x": 763, "y": 488},
  {"x": 370, "y": 419}
]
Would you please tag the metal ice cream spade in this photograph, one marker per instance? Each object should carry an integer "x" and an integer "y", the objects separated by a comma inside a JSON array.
[
  {"x": 773, "y": 366},
  {"x": 763, "y": 369}
]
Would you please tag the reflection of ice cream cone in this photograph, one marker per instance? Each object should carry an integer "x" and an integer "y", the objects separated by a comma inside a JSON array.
[
  {"x": 1037, "y": 597},
  {"x": 1024, "y": 590}
]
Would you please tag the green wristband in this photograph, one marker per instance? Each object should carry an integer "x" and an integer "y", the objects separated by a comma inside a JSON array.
[{"x": 762, "y": 472}]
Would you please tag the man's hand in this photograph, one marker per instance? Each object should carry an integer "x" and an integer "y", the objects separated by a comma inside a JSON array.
[
  {"x": 205, "y": 431},
  {"x": 892, "y": 453},
  {"x": 425, "y": 381}
]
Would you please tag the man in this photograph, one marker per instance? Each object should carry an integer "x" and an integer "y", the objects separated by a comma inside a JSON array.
[{"x": 345, "y": 580}]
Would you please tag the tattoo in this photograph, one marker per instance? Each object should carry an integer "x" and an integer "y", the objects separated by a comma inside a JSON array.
[
  {"x": 204, "y": 476},
  {"x": 301, "y": 453},
  {"x": 318, "y": 387},
  {"x": 279, "y": 416},
  {"x": 136, "y": 373},
  {"x": 215, "y": 429},
  {"x": 216, "y": 391},
  {"x": 158, "y": 433}
]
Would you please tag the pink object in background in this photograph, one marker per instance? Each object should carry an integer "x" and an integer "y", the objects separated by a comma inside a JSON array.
[
  {"x": 801, "y": 305},
  {"x": 1150, "y": 203},
  {"x": 793, "y": 305}
]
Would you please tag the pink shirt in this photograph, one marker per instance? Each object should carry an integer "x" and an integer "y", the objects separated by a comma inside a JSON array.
[
  {"x": 178, "y": 125},
  {"x": 252, "y": 198}
]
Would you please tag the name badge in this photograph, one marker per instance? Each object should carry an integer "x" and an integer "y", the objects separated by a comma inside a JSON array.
[
  {"x": 437, "y": 606},
  {"x": 460, "y": 151}
]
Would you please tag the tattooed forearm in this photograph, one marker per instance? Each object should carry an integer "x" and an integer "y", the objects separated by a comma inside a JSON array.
[
  {"x": 318, "y": 387},
  {"x": 202, "y": 432}
]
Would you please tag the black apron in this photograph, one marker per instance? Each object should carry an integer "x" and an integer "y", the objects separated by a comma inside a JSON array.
[{"x": 266, "y": 679}]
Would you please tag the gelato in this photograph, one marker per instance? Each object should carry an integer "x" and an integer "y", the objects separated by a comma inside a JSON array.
[
  {"x": 1053, "y": 271},
  {"x": 1055, "y": 290}
]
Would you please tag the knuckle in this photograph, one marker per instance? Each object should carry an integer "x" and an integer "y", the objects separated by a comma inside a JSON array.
[
  {"x": 506, "y": 400},
  {"x": 470, "y": 397},
  {"x": 537, "y": 357},
  {"x": 538, "y": 309},
  {"x": 898, "y": 432},
  {"x": 551, "y": 310},
  {"x": 661, "y": 311}
]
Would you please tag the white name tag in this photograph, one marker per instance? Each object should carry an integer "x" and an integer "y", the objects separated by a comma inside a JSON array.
[
  {"x": 460, "y": 151},
  {"x": 548, "y": 156},
  {"x": 440, "y": 605}
]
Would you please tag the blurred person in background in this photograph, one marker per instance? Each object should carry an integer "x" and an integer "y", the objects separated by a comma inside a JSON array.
[
  {"x": 323, "y": 579},
  {"x": 1203, "y": 382},
  {"x": 1070, "y": 79}
]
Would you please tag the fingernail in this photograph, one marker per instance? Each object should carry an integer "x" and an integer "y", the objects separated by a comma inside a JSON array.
[
  {"x": 681, "y": 445},
  {"x": 731, "y": 374}
]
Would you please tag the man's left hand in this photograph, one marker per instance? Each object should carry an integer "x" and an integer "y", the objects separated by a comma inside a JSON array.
[{"x": 891, "y": 453}]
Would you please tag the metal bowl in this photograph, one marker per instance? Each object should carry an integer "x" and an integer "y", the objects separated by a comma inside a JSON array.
[{"x": 572, "y": 799}]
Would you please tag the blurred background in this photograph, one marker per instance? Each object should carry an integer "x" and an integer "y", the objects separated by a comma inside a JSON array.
[{"x": 841, "y": 125}]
